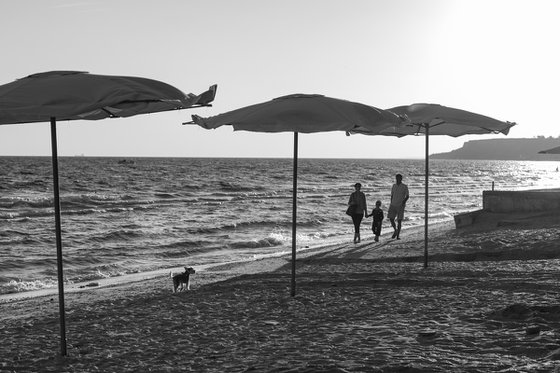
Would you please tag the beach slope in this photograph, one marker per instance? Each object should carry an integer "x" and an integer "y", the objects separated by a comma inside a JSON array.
[{"x": 488, "y": 301}]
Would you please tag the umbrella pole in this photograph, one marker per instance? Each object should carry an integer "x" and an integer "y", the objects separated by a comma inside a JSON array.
[
  {"x": 63, "y": 350},
  {"x": 294, "y": 215},
  {"x": 427, "y": 159}
]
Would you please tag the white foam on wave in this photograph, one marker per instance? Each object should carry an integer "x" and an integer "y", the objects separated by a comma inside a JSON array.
[{"x": 19, "y": 286}]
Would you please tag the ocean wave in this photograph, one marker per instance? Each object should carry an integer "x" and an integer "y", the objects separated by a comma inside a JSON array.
[
  {"x": 235, "y": 187},
  {"x": 24, "y": 216},
  {"x": 262, "y": 197},
  {"x": 186, "y": 249},
  {"x": 106, "y": 271},
  {"x": 257, "y": 225},
  {"x": 269, "y": 241},
  {"x": 195, "y": 245},
  {"x": 69, "y": 201},
  {"x": 116, "y": 235},
  {"x": 96, "y": 200},
  {"x": 11, "y": 215},
  {"x": 442, "y": 215},
  {"x": 35, "y": 184},
  {"x": 85, "y": 211},
  {"x": 165, "y": 195},
  {"x": 16, "y": 286},
  {"x": 16, "y": 239},
  {"x": 13, "y": 232},
  {"x": 14, "y": 264},
  {"x": 20, "y": 202}
]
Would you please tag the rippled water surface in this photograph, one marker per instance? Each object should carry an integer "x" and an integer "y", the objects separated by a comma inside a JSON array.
[{"x": 122, "y": 216}]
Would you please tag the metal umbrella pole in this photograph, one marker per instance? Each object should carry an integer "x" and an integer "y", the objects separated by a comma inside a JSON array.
[
  {"x": 427, "y": 167},
  {"x": 294, "y": 215},
  {"x": 58, "y": 229}
]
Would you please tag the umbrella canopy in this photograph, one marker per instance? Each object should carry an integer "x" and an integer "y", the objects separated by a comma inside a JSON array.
[
  {"x": 434, "y": 119},
  {"x": 443, "y": 120},
  {"x": 303, "y": 113},
  {"x": 71, "y": 95},
  {"x": 555, "y": 150},
  {"x": 306, "y": 113}
]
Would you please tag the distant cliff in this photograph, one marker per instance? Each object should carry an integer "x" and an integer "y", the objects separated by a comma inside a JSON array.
[{"x": 504, "y": 149}]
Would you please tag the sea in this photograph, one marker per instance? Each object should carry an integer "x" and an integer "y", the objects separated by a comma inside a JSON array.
[{"x": 131, "y": 215}]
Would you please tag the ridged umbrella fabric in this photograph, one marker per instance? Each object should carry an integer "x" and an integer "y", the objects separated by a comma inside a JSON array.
[
  {"x": 444, "y": 120},
  {"x": 74, "y": 95},
  {"x": 303, "y": 113}
]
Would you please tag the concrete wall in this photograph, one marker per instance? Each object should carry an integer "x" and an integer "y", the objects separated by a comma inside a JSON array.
[
  {"x": 466, "y": 218},
  {"x": 521, "y": 201}
]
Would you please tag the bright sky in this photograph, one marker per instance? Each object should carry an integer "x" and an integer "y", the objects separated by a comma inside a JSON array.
[{"x": 499, "y": 58}]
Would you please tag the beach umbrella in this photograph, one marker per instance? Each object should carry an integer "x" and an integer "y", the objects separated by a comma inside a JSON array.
[
  {"x": 555, "y": 150},
  {"x": 434, "y": 119},
  {"x": 301, "y": 113},
  {"x": 70, "y": 95}
]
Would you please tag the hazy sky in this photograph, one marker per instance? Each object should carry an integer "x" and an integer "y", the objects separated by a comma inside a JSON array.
[{"x": 499, "y": 58}]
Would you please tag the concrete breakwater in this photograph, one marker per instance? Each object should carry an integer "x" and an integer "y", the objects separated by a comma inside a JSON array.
[
  {"x": 513, "y": 202},
  {"x": 537, "y": 200}
]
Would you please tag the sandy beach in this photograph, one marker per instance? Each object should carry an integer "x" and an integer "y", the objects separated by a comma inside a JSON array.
[{"x": 488, "y": 302}]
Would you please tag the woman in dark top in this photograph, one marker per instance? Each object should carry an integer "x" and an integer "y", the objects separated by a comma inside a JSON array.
[{"x": 358, "y": 203}]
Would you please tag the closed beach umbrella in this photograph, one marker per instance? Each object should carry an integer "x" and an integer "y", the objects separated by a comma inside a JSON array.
[
  {"x": 305, "y": 113},
  {"x": 434, "y": 119},
  {"x": 71, "y": 95}
]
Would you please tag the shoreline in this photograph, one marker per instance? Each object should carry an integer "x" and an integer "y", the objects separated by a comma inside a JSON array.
[{"x": 128, "y": 279}]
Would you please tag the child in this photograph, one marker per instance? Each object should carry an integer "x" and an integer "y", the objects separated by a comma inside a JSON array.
[{"x": 378, "y": 216}]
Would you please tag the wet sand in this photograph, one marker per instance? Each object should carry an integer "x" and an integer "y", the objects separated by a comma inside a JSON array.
[{"x": 487, "y": 302}]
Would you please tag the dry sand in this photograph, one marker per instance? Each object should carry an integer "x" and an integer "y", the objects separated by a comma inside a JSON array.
[{"x": 488, "y": 302}]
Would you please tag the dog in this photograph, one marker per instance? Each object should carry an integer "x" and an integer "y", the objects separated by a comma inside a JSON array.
[{"x": 182, "y": 280}]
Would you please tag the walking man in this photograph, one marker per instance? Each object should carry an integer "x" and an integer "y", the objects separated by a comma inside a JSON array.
[{"x": 399, "y": 196}]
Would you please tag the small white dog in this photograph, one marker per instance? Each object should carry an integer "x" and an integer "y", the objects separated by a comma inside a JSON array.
[{"x": 182, "y": 280}]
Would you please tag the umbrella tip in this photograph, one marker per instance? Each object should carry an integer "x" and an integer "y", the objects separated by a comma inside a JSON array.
[
  {"x": 195, "y": 119},
  {"x": 207, "y": 97}
]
